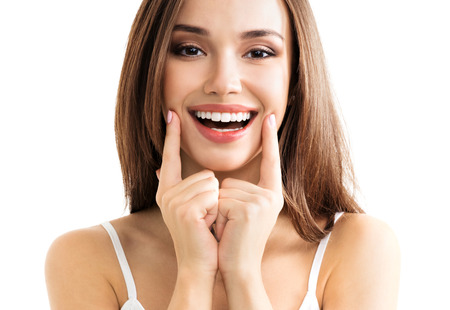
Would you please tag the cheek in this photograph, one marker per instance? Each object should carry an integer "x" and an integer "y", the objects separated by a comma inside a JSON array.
[
  {"x": 180, "y": 81},
  {"x": 271, "y": 87}
]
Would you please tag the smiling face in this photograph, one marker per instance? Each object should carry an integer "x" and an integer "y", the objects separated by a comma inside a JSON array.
[{"x": 228, "y": 67}]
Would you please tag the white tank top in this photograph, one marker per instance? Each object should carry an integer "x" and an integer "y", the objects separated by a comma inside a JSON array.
[{"x": 309, "y": 302}]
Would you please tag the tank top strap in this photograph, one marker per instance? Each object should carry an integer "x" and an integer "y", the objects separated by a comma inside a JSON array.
[
  {"x": 129, "y": 281},
  {"x": 317, "y": 263}
]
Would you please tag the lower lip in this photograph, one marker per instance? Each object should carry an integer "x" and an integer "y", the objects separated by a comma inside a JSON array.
[{"x": 221, "y": 137}]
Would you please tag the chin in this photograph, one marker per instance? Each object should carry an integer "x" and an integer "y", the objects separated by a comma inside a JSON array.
[
  {"x": 225, "y": 162},
  {"x": 224, "y": 166}
]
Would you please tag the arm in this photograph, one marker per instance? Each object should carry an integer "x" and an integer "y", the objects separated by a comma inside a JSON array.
[
  {"x": 189, "y": 208},
  {"x": 367, "y": 270},
  {"x": 74, "y": 271},
  {"x": 247, "y": 215},
  {"x": 192, "y": 291},
  {"x": 79, "y": 263},
  {"x": 245, "y": 290}
]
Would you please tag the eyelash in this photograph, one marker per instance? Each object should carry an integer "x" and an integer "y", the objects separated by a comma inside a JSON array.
[
  {"x": 181, "y": 50},
  {"x": 269, "y": 53}
]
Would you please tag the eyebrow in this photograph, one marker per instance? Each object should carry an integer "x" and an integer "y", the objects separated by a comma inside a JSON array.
[
  {"x": 191, "y": 29},
  {"x": 246, "y": 35},
  {"x": 260, "y": 33}
]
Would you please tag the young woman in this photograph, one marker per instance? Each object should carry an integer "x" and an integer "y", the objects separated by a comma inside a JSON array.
[{"x": 211, "y": 93}]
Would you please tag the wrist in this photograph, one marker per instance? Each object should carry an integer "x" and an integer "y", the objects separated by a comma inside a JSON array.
[
  {"x": 193, "y": 290},
  {"x": 245, "y": 290},
  {"x": 197, "y": 270},
  {"x": 241, "y": 276},
  {"x": 240, "y": 272},
  {"x": 199, "y": 277}
]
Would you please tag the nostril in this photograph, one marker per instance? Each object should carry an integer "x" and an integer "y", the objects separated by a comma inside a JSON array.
[{"x": 223, "y": 83}]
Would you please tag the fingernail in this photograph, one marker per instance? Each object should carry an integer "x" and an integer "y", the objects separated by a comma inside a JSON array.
[
  {"x": 272, "y": 121},
  {"x": 169, "y": 117}
]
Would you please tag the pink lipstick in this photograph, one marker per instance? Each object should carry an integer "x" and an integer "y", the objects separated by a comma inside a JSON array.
[{"x": 221, "y": 123}]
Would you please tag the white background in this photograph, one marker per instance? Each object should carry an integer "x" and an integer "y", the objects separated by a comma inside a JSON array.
[{"x": 59, "y": 68}]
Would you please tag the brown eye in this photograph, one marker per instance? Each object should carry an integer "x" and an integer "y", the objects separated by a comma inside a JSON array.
[
  {"x": 259, "y": 54},
  {"x": 188, "y": 51}
]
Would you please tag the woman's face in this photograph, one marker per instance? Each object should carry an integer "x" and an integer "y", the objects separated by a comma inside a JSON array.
[{"x": 228, "y": 67}]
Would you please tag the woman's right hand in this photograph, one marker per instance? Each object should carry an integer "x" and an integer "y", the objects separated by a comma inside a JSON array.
[{"x": 189, "y": 208}]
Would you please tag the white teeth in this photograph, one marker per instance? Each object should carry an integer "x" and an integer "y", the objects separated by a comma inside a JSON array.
[
  {"x": 226, "y": 130},
  {"x": 224, "y": 117},
  {"x": 215, "y": 116}
]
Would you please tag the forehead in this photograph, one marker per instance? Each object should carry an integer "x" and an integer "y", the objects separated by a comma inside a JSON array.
[{"x": 235, "y": 15}]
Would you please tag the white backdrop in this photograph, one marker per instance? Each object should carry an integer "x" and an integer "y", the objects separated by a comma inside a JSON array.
[{"x": 59, "y": 68}]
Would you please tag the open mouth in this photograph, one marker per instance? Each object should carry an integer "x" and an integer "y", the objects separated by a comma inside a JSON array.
[{"x": 224, "y": 121}]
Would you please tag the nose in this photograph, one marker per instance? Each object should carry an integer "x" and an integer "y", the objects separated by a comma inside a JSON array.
[{"x": 224, "y": 78}]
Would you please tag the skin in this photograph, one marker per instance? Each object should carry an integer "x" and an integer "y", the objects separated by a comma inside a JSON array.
[
  {"x": 260, "y": 261},
  {"x": 226, "y": 72}
]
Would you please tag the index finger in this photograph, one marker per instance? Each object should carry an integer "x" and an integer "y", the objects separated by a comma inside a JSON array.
[
  {"x": 270, "y": 171},
  {"x": 170, "y": 173}
]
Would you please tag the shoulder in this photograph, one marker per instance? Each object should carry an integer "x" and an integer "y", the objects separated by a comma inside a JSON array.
[
  {"x": 363, "y": 232},
  {"x": 79, "y": 246},
  {"x": 78, "y": 270},
  {"x": 365, "y": 260}
]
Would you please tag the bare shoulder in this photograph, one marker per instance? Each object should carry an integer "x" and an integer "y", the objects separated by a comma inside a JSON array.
[
  {"x": 365, "y": 259},
  {"x": 366, "y": 231},
  {"x": 78, "y": 270}
]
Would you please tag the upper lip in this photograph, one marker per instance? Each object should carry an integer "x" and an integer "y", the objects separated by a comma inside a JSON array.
[{"x": 218, "y": 107}]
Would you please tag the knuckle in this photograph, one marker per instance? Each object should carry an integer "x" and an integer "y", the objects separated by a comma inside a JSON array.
[
  {"x": 168, "y": 202},
  {"x": 278, "y": 202},
  {"x": 163, "y": 199},
  {"x": 181, "y": 212},
  {"x": 211, "y": 179},
  {"x": 251, "y": 211},
  {"x": 280, "y": 198},
  {"x": 208, "y": 172},
  {"x": 214, "y": 183},
  {"x": 158, "y": 198},
  {"x": 266, "y": 193},
  {"x": 261, "y": 200},
  {"x": 273, "y": 197}
]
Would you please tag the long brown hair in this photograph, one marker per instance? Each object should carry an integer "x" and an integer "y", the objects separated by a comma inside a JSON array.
[{"x": 317, "y": 172}]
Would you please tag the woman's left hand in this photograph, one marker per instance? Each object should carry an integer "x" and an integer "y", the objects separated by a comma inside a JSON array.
[{"x": 248, "y": 212}]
